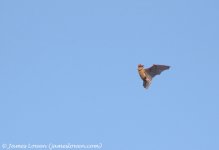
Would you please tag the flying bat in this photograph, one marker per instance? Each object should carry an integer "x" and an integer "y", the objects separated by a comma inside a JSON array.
[{"x": 149, "y": 73}]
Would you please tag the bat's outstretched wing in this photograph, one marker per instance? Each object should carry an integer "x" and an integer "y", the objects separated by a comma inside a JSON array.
[{"x": 156, "y": 69}]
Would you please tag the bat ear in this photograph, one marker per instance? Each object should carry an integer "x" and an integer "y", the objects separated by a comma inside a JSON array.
[{"x": 140, "y": 65}]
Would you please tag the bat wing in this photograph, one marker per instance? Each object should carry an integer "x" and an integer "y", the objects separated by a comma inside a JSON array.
[{"x": 156, "y": 70}]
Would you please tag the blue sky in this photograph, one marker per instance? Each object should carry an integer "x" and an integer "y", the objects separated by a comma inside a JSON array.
[{"x": 68, "y": 73}]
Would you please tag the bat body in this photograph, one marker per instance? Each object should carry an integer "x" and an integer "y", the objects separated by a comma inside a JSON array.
[{"x": 149, "y": 73}]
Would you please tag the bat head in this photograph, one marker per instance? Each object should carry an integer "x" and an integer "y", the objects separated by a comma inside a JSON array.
[{"x": 140, "y": 65}]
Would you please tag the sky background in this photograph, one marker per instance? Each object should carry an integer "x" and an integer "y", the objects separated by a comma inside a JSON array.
[{"x": 68, "y": 73}]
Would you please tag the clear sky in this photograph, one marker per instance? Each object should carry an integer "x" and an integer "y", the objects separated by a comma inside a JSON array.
[{"x": 68, "y": 73}]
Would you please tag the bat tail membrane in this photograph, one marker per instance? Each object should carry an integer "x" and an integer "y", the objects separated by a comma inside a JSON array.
[{"x": 146, "y": 84}]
